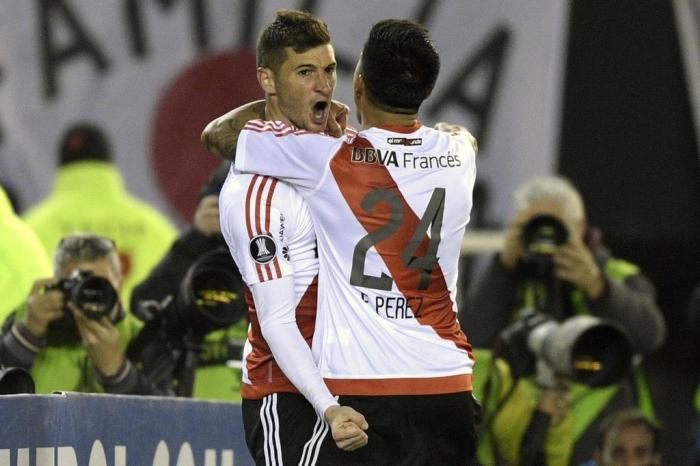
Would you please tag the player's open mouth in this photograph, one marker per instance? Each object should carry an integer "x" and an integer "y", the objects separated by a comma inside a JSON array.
[{"x": 320, "y": 112}]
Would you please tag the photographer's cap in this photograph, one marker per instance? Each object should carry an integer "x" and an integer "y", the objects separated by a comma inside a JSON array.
[{"x": 84, "y": 141}]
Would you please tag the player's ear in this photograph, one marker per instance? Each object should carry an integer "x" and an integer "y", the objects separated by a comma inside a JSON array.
[
  {"x": 266, "y": 79},
  {"x": 358, "y": 85}
]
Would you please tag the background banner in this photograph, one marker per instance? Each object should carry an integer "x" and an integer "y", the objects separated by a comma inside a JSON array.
[
  {"x": 153, "y": 72},
  {"x": 72, "y": 429}
]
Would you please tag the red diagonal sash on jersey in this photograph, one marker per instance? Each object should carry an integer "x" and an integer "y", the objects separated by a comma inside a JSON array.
[{"x": 355, "y": 181}]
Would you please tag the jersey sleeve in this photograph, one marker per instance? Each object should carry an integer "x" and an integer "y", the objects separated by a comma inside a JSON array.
[
  {"x": 271, "y": 148},
  {"x": 256, "y": 229},
  {"x": 275, "y": 305}
]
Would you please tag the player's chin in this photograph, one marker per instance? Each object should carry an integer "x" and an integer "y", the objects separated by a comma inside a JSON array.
[{"x": 316, "y": 125}]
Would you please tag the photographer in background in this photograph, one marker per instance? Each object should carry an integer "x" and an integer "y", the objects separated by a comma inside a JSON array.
[
  {"x": 577, "y": 277},
  {"x": 72, "y": 330},
  {"x": 213, "y": 379},
  {"x": 89, "y": 195},
  {"x": 627, "y": 438}
]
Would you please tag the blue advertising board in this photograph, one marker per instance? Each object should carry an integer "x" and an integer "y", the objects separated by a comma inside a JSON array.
[{"x": 76, "y": 429}]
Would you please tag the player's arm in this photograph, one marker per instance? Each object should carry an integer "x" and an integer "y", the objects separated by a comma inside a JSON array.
[
  {"x": 221, "y": 135},
  {"x": 297, "y": 157},
  {"x": 275, "y": 305},
  {"x": 275, "y": 302}
]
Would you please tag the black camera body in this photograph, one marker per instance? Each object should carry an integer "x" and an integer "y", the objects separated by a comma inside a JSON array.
[
  {"x": 93, "y": 295},
  {"x": 541, "y": 238}
]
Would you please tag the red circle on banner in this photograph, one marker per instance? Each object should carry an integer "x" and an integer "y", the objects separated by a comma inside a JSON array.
[{"x": 203, "y": 91}]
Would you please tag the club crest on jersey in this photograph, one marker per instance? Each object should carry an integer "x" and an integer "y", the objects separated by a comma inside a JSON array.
[
  {"x": 374, "y": 156},
  {"x": 263, "y": 249}
]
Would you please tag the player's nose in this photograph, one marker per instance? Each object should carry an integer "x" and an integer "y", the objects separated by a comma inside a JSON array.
[{"x": 324, "y": 85}]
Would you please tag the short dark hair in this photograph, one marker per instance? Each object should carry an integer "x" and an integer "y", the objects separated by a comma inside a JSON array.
[
  {"x": 84, "y": 141},
  {"x": 627, "y": 417},
  {"x": 296, "y": 29},
  {"x": 399, "y": 65},
  {"x": 84, "y": 247}
]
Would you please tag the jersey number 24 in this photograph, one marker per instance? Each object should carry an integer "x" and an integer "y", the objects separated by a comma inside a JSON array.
[{"x": 432, "y": 217}]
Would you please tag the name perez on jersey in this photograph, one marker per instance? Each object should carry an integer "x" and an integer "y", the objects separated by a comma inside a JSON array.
[
  {"x": 394, "y": 307},
  {"x": 389, "y": 158}
]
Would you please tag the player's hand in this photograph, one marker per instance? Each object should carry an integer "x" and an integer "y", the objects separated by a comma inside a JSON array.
[
  {"x": 575, "y": 263},
  {"x": 43, "y": 307},
  {"x": 206, "y": 217},
  {"x": 101, "y": 340},
  {"x": 556, "y": 402},
  {"x": 458, "y": 130},
  {"x": 347, "y": 426},
  {"x": 337, "y": 119}
]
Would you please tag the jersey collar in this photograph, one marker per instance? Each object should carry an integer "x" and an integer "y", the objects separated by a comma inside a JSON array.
[{"x": 402, "y": 129}]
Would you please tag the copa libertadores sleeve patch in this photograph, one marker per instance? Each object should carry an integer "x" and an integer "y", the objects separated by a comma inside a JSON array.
[{"x": 263, "y": 249}]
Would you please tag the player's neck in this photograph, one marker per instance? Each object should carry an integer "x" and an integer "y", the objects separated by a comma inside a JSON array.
[
  {"x": 373, "y": 117},
  {"x": 273, "y": 112}
]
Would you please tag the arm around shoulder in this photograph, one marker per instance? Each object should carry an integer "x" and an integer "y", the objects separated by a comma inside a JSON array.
[{"x": 220, "y": 136}]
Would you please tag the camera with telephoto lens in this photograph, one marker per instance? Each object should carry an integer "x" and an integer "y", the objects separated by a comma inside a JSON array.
[
  {"x": 541, "y": 238},
  {"x": 210, "y": 297},
  {"x": 583, "y": 348},
  {"x": 93, "y": 295}
]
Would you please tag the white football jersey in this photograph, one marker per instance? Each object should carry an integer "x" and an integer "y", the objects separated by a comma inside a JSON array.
[
  {"x": 390, "y": 206},
  {"x": 270, "y": 234}
]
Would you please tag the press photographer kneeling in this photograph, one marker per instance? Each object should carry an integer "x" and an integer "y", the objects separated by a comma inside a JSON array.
[
  {"x": 559, "y": 312},
  {"x": 72, "y": 331}
]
